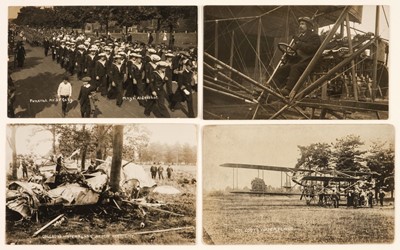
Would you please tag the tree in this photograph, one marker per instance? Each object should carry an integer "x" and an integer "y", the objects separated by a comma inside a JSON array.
[
  {"x": 381, "y": 160},
  {"x": 137, "y": 138},
  {"x": 130, "y": 16},
  {"x": 188, "y": 156},
  {"x": 316, "y": 156},
  {"x": 102, "y": 138},
  {"x": 117, "y": 144},
  {"x": 347, "y": 155},
  {"x": 13, "y": 145}
]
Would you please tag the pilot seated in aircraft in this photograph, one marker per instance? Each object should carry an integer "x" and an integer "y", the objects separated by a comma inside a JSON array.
[{"x": 305, "y": 45}]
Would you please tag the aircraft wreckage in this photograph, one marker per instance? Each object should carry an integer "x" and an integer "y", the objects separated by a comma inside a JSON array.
[{"x": 70, "y": 189}]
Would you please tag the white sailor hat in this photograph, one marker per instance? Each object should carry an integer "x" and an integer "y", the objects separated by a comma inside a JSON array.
[
  {"x": 155, "y": 58},
  {"x": 152, "y": 51},
  {"x": 162, "y": 64},
  {"x": 136, "y": 55}
]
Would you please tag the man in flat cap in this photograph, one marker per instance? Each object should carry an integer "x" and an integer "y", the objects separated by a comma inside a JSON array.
[{"x": 305, "y": 44}]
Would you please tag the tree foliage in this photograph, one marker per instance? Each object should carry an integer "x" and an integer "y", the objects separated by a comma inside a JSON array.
[
  {"x": 315, "y": 156},
  {"x": 125, "y": 16},
  {"x": 347, "y": 154},
  {"x": 381, "y": 160}
]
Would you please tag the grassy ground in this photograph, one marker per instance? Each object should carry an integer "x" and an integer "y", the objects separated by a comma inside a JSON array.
[
  {"x": 229, "y": 219},
  {"x": 90, "y": 225}
]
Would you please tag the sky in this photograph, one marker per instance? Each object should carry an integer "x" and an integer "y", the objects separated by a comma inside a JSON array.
[
  {"x": 274, "y": 145},
  {"x": 40, "y": 143}
]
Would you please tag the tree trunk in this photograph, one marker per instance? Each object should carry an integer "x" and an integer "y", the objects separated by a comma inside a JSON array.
[
  {"x": 53, "y": 133},
  {"x": 158, "y": 30},
  {"x": 118, "y": 132},
  {"x": 13, "y": 146},
  {"x": 84, "y": 148},
  {"x": 101, "y": 131},
  {"x": 171, "y": 29}
]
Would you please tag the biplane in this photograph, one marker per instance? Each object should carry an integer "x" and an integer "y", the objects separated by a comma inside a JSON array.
[
  {"x": 347, "y": 78},
  {"x": 326, "y": 184}
]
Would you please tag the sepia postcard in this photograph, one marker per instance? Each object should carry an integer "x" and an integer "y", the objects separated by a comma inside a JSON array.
[
  {"x": 102, "y": 61},
  {"x": 101, "y": 184},
  {"x": 298, "y": 184},
  {"x": 296, "y": 62}
]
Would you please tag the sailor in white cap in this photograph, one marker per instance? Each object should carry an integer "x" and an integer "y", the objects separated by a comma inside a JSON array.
[
  {"x": 117, "y": 78},
  {"x": 184, "y": 91},
  {"x": 100, "y": 73},
  {"x": 80, "y": 60},
  {"x": 90, "y": 62},
  {"x": 157, "y": 104}
]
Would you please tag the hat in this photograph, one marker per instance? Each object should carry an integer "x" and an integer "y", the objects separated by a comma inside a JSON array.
[
  {"x": 169, "y": 55},
  {"x": 117, "y": 57},
  {"x": 107, "y": 49},
  {"x": 135, "y": 55},
  {"x": 152, "y": 51},
  {"x": 155, "y": 58},
  {"x": 307, "y": 20},
  {"x": 86, "y": 79},
  {"x": 185, "y": 53},
  {"x": 162, "y": 64},
  {"x": 102, "y": 54},
  {"x": 81, "y": 46}
]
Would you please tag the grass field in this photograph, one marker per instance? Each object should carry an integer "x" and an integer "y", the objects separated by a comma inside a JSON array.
[
  {"x": 240, "y": 219},
  {"x": 88, "y": 225}
]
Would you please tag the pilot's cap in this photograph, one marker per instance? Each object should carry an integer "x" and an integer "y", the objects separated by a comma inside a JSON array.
[{"x": 307, "y": 20}]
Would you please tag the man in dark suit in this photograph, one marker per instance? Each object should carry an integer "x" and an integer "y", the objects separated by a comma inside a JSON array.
[
  {"x": 84, "y": 97},
  {"x": 305, "y": 44}
]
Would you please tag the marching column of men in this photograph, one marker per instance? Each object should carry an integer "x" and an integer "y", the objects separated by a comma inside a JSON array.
[{"x": 130, "y": 71}]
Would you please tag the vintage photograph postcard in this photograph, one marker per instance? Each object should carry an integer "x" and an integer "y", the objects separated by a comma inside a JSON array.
[
  {"x": 298, "y": 184},
  {"x": 296, "y": 62},
  {"x": 86, "y": 184},
  {"x": 102, "y": 61}
]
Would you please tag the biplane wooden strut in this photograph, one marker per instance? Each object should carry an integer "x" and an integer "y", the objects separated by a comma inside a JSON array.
[
  {"x": 300, "y": 176},
  {"x": 298, "y": 97}
]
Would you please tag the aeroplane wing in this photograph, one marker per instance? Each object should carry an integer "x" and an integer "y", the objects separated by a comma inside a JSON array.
[
  {"x": 264, "y": 167},
  {"x": 287, "y": 169},
  {"x": 328, "y": 178}
]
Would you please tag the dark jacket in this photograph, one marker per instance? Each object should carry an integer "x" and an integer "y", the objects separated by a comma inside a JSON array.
[{"x": 307, "y": 44}]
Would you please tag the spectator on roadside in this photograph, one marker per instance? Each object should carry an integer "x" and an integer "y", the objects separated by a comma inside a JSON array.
[{"x": 64, "y": 92}]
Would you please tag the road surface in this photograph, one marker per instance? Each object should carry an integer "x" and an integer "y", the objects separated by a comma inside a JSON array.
[{"x": 36, "y": 92}]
